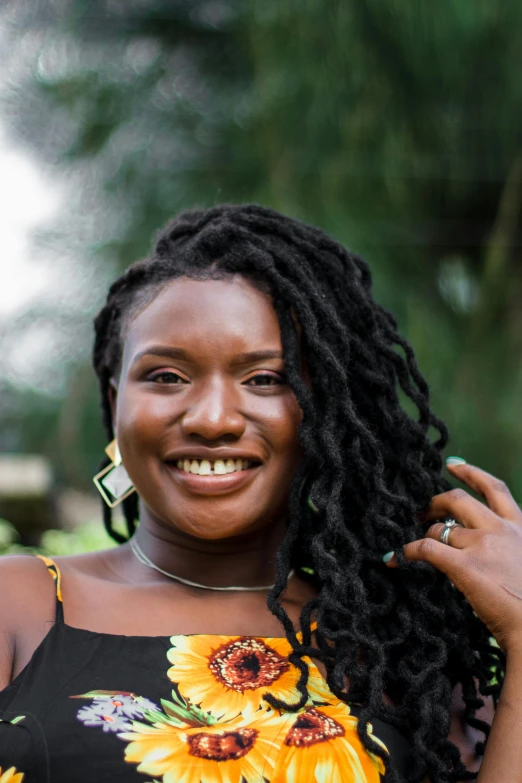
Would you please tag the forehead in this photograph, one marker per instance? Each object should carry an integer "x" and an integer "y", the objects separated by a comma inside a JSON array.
[{"x": 230, "y": 314}]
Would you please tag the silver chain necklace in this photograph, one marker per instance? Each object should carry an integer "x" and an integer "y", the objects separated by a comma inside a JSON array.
[{"x": 142, "y": 557}]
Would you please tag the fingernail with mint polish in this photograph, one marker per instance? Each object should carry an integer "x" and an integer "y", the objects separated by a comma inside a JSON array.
[
  {"x": 455, "y": 461},
  {"x": 387, "y": 557}
]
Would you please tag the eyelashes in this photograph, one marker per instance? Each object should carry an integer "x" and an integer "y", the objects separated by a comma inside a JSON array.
[
  {"x": 276, "y": 380},
  {"x": 159, "y": 377}
]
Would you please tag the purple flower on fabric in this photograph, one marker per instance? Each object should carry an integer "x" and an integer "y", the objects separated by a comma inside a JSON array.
[
  {"x": 125, "y": 704},
  {"x": 103, "y": 715}
]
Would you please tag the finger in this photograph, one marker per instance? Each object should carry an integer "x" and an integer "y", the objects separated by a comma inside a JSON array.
[
  {"x": 495, "y": 491},
  {"x": 469, "y": 511},
  {"x": 446, "y": 558},
  {"x": 458, "y": 538}
]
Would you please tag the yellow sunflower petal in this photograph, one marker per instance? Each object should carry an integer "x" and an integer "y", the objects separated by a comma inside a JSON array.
[
  {"x": 11, "y": 775},
  {"x": 317, "y": 686}
]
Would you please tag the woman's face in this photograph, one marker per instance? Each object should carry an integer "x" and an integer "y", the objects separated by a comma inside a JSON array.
[{"x": 202, "y": 383}]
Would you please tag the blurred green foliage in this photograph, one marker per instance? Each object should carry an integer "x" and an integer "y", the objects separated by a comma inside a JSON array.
[
  {"x": 86, "y": 538},
  {"x": 395, "y": 126}
]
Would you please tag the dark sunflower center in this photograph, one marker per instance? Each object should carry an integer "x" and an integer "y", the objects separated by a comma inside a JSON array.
[
  {"x": 222, "y": 747},
  {"x": 311, "y": 727},
  {"x": 247, "y": 664}
]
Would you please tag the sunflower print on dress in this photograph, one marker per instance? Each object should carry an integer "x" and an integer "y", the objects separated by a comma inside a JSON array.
[{"x": 217, "y": 728}]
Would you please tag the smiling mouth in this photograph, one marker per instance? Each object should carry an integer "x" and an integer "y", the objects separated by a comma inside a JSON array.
[{"x": 218, "y": 467}]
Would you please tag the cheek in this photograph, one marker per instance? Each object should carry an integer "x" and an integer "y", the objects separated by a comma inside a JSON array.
[
  {"x": 284, "y": 428},
  {"x": 141, "y": 420}
]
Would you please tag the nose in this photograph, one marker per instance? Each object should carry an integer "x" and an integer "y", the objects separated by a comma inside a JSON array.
[{"x": 213, "y": 412}]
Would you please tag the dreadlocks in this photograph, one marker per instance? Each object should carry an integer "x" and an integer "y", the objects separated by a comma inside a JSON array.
[{"x": 368, "y": 470}]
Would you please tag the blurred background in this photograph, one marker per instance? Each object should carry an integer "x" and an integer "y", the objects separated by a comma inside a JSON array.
[{"x": 397, "y": 127}]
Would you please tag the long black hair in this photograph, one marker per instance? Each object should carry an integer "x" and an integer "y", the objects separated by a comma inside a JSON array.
[{"x": 369, "y": 469}]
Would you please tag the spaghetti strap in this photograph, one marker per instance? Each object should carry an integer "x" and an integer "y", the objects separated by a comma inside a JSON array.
[{"x": 56, "y": 575}]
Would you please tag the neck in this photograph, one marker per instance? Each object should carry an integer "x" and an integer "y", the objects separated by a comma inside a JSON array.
[{"x": 246, "y": 560}]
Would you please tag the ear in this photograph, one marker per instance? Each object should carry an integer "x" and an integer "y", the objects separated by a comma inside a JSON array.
[{"x": 113, "y": 398}]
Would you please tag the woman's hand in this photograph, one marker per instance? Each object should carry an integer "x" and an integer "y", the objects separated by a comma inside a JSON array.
[{"x": 483, "y": 559}]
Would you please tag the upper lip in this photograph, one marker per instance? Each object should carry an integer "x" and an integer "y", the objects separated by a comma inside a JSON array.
[{"x": 200, "y": 453}]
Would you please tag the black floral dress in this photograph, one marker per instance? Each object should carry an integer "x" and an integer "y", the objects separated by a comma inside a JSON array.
[{"x": 92, "y": 707}]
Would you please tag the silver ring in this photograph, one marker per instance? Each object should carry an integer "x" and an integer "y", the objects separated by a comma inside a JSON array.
[{"x": 446, "y": 530}]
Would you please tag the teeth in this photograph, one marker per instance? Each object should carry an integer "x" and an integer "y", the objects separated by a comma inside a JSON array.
[
  {"x": 220, "y": 467},
  {"x": 204, "y": 468}
]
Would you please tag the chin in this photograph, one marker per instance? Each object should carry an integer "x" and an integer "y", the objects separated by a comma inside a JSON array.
[
  {"x": 209, "y": 531},
  {"x": 207, "y": 526}
]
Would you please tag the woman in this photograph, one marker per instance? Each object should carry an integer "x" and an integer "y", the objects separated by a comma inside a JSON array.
[{"x": 250, "y": 630}]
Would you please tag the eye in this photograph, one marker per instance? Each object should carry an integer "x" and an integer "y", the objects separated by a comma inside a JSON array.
[
  {"x": 265, "y": 379},
  {"x": 167, "y": 377}
]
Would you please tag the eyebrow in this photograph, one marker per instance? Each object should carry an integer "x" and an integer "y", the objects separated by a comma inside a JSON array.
[{"x": 170, "y": 352}]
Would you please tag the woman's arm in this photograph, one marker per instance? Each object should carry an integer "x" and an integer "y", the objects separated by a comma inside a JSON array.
[
  {"x": 7, "y": 638},
  {"x": 483, "y": 559},
  {"x": 26, "y": 611},
  {"x": 503, "y": 757},
  {"x": 6, "y": 658}
]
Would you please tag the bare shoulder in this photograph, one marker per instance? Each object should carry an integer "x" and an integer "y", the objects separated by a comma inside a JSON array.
[
  {"x": 21, "y": 572},
  {"x": 27, "y": 603},
  {"x": 98, "y": 564},
  {"x": 26, "y": 589}
]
